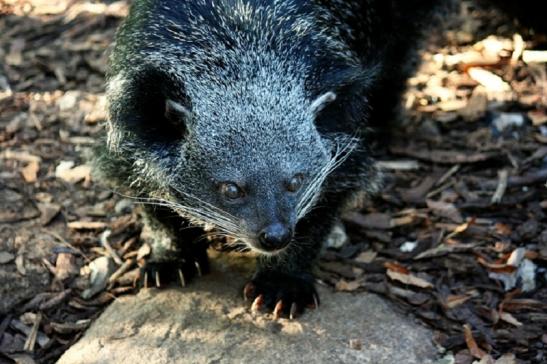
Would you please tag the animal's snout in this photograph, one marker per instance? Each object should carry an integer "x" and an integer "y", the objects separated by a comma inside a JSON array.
[{"x": 275, "y": 237}]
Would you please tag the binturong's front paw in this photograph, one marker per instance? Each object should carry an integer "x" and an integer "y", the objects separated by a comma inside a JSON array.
[
  {"x": 284, "y": 294},
  {"x": 160, "y": 274}
]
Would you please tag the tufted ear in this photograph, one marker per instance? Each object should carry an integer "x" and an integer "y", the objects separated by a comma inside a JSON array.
[
  {"x": 342, "y": 97},
  {"x": 177, "y": 115},
  {"x": 321, "y": 102},
  {"x": 149, "y": 105}
]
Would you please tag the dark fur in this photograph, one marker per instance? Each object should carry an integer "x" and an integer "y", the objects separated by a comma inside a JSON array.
[{"x": 363, "y": 51}]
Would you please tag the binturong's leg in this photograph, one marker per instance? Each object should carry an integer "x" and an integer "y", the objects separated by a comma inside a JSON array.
[
  {"x": 178, "y": 252},
  {"x": 284, "y": 283}
]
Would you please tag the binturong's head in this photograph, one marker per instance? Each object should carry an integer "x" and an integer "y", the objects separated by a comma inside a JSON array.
[
  {"x": 235, "y": 116},
  {"x": 246, "y": 158}
]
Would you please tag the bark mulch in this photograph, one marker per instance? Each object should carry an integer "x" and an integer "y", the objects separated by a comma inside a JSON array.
[{"x": 457, "y": 237}]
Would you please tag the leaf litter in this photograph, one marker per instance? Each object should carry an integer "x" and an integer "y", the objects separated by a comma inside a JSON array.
[{"x": 457, "y": 237}]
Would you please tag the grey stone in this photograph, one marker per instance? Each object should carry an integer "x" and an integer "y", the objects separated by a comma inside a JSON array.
[
  {"x": 124, "y": 206},
  {"x": 208, "y": 322}
]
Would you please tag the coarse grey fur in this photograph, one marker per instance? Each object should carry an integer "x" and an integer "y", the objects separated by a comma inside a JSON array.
[{"x": 254, "y": 92}]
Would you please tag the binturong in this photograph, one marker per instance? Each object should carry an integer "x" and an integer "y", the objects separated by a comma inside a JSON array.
[{"x": 249, "y": 119}]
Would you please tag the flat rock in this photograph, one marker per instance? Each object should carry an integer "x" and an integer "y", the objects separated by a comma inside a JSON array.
[{"x": 207, "y": 322}]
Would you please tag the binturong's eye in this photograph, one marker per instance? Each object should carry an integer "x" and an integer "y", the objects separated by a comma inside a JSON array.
[
  {"x": 295, "y": 183},
  {"x": 231, "y": 191}
]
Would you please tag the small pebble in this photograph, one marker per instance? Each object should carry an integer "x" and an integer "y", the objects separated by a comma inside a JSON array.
[
  {"x": 124, "y": 206},
  {"x": 6, "y": 257},
  {"x": 355, "y": 344}
]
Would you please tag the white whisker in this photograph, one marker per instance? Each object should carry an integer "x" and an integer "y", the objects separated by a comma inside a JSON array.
[{"x": 313, "y": 191}]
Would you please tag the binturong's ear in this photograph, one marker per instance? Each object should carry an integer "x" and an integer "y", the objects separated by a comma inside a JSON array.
[
  {"x": 341, "y": 101},
  {"x": 150, "y": 106},
  {"x": 177, "y": 115},
  {"x": 321, "y": 102}
]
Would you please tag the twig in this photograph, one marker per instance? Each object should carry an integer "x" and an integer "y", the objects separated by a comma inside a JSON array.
[
  {"x": 448, "y": 174},
  {"x": 31, "y": 338},
  {"x": 503, "y": 175}
]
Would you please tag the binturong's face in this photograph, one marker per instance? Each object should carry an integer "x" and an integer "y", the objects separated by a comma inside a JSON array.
[{"x": 251, "y": 171}]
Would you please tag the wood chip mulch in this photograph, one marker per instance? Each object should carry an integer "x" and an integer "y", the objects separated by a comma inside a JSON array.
[{"x": 457, "y": 238}]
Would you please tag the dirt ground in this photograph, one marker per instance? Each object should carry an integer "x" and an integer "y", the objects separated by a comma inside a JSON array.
[{"x": 457, "y": 237}]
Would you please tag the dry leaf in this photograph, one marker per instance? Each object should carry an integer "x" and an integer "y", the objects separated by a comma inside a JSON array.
[
  {"x": 87, "y": 225},
  {"x": 30, "y": 172},
  {"x": 538, "y": 117},
  {"x": 461, "y": 228},
  {"x": 65, "y": 266},
  {"x": 19, "y": 156},
  {"x": 455, "y": 300},
  {"x": 487, "y": 359},
  {"x": 48, "y": 211},
  {"x": 408, "y": 279},
  {"x": 476, "y": 106},
  {"x": 445, "y": 209},
  {"x": 373, "y": 220},
  {"x": 507, "y": 317},
  {"x": 20, "y": 264},
  {"x": 508, "y": 358},
  {"x": 73, "y": 175},
  {"x": 489, "y": 80},
  {"x": 366, "y": 256},
  {"x": 534, "y": 56},
  {"x": 344, "y": 286},
  {"x": 396, "y": 267},
  {"x": 143, "y": 251},
  {"x": 404, "y": 165},
  {"x": 471, "y": 343}
]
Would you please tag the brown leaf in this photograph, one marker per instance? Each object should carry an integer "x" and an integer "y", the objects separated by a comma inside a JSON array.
[
  {"x": 487, "y": 359},
  {"x": 373, "y": 220},
  {"x": 502, "y": 229},
  {"x": 48, "y": 212},
  {"x": 366, "y": 256},
  {"x": 143, "y": 251},
  {"x": 445, "y": 209},
  {"x": 489, "y": 80},
  {"x": 471, "y": 343},
  {"x": 417, "y": 194},
  {"x": 496, "y": 267},
  {"x": 538, "y": 117},
  {"x": 408, "y": 279},
  {"x": 30, "y": 172},
  {"x": 456, "y": 300},
  {"x": 87, "y": 225},
  {"x": 508, "y": 358},
  {"x": 461, "y": 228},
  {"x": 396, "y": 267},
  {"x": 534, "y": 56},
  {"x": 507, "y": 317},
  {"x": 345, "y": 286},
  {"x": 441, "y": 156},
  {"x": 65, "y": 266},
  {"x": 476, "y": 106},
  {"x": 73, "y": 175}
]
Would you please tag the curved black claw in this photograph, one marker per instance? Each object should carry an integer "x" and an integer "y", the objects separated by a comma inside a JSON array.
[
  {"x": 285, "y": 295},
  {"x": 161, "y": 274}
]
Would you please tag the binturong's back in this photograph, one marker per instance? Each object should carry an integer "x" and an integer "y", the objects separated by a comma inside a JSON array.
[{"x": 250, "y": 117}]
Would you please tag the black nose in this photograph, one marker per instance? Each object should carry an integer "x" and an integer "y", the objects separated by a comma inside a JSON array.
[{"x": 275, "y": 237}]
